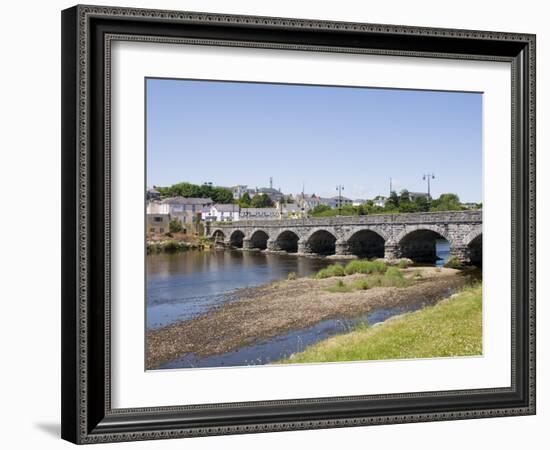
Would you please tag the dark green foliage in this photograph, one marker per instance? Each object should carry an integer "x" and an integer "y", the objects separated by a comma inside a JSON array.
[
  {"x": 261, "y": 201},
  {"x": 175, "y": 226},
  {"x": 184, "y": 189},
  {"x": 244, "y": 201}
]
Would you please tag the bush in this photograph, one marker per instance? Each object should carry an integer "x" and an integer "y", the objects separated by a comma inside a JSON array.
[
  {"x": 365, "y": 266},
  {"x": 334, "y": 270},
  {"x": 454, "y": 263},
  {"x": 171, "y": 246},
  {"x": 417, "y": 274},
  {"x": 175, "y": 226},
  {"x": 291, "y": 276}
]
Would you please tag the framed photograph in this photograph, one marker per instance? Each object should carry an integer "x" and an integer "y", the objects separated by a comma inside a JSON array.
[{"x": 277, "y": 224}]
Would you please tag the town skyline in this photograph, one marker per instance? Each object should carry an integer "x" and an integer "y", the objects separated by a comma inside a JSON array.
[
  {"x": 355, "y": 137},
  {"x": 259, "y": 188}
]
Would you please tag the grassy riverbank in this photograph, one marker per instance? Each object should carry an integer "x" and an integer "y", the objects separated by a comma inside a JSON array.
[
  {"x": 452, "y": 327},
  {"x": 176, "y": 242}
]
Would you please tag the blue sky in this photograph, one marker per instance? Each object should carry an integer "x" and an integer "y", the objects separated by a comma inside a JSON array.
[{"x": 232, "y": 133}]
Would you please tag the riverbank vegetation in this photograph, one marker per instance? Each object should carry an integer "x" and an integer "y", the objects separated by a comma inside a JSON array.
[
  {"x": 452, "y": 327},
  {"x": 384, "y": 277},
  {"x": 176, "y": 242},
  {"x": 355, "y": 266}
]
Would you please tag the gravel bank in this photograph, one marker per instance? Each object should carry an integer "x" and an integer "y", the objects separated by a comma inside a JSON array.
[{"x": 270, "y": 310}]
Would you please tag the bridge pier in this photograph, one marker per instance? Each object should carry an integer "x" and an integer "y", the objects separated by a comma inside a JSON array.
[
  {"x": 460, "y": 252},
  {"x": 247, "y": 244},
  {"x": 273, "y": 246},
  {"x": 303, "y": 248},
  {"x": 391, "y": 251},
  {"x": 341, "y": 248}
]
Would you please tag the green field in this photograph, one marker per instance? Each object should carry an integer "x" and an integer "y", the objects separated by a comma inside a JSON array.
[{"x": 452, "y": 327}]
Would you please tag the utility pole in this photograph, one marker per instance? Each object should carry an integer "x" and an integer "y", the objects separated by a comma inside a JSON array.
[
  {"x": 339, "y": 188},
  {"x": 428, "y": 177},
  {"x": 391, "y": 188}
]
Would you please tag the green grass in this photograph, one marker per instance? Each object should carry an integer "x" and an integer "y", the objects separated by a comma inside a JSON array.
[
  {"x": 454, "y": 263},
  {"x": 340, "y": 287},
  {"x": 334, "y": 270},
  {"x": 392, "y": 278},
  {"x": 365, "y": 266},
  {"x": 403, "y": 264},
  {"x": 291, "y": 276},
  {"x": 449, "y": 328}
]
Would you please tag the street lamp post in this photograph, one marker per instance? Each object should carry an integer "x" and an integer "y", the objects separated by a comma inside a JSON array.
[
  {"x": 428, "y": 177},
  {"x": 339, "y": 188}
]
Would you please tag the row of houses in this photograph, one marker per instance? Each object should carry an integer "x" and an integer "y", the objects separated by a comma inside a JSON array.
[{"x": 192, "y": 213}]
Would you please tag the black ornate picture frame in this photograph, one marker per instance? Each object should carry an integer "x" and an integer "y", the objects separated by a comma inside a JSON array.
[{"x": 87, "y": 33}]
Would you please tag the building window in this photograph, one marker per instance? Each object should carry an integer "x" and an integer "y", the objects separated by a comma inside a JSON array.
[
  {"x": 161, "y": 230},
  {"x": 158, "y": 219}
]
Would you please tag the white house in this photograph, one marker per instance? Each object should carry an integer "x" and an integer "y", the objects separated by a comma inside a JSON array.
[
  {"x": 379, "y": 201},
  {"x": 157, "y": 218},
  {"x": 337, "y": 201},
  {"x": 289, "y": 210},
  {"x": 222, "y": 213},
  {"x": 187, "y": 209}
]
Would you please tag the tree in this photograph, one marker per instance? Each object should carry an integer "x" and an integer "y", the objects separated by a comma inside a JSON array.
[
  {"x": 245, "y": 200},
  {"x": 422, "y": 203},
  {"x": 320, "y": 210},
  {"x": 393, "y": 202},
  {"x": 221, "y": 195},
  {"x": 404, "y": 197},
  {"x": 446, "y": 202},
  {"x": 261, "y": 201}
]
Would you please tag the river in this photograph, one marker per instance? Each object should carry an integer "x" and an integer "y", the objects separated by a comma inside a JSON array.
[{"x": 181, "y": 286}]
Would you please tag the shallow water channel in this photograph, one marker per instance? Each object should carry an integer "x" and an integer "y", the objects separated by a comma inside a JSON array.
[{"x": 183, "y": 285}]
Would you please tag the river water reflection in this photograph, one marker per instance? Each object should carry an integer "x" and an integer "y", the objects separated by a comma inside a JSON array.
[{"x": 182, "y": 285}]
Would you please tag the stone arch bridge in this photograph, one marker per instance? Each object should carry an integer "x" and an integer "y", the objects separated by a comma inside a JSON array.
[{"x": 411, "y": 235}]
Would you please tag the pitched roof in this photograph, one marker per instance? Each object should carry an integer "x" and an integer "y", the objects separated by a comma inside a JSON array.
[
  {"x": 187, "y": 201},
  {"x": 226, "y": 207}
]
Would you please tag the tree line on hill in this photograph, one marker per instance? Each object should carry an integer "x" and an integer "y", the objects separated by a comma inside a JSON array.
[
  {"x": 396, "y": 203},
  {"x": 219, "y": 194}
]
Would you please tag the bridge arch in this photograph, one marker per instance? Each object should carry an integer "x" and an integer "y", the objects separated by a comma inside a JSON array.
[
  {"x": 474, "y": 247},
  {"x": 258, "y": 239},
  {"x": 236, "y": 239},
  {"x": 476, "y": 232},
  {"x": 366, "y": 243},
  {"x": 218, "y": 235},
  {"x": 419, "y": 242},
  {"x": 321, "y": 242},
  {"x": 287, "y": 240}
]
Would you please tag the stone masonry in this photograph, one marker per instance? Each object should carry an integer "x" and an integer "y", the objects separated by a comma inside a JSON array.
[{"x": 383, "y": 235}]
